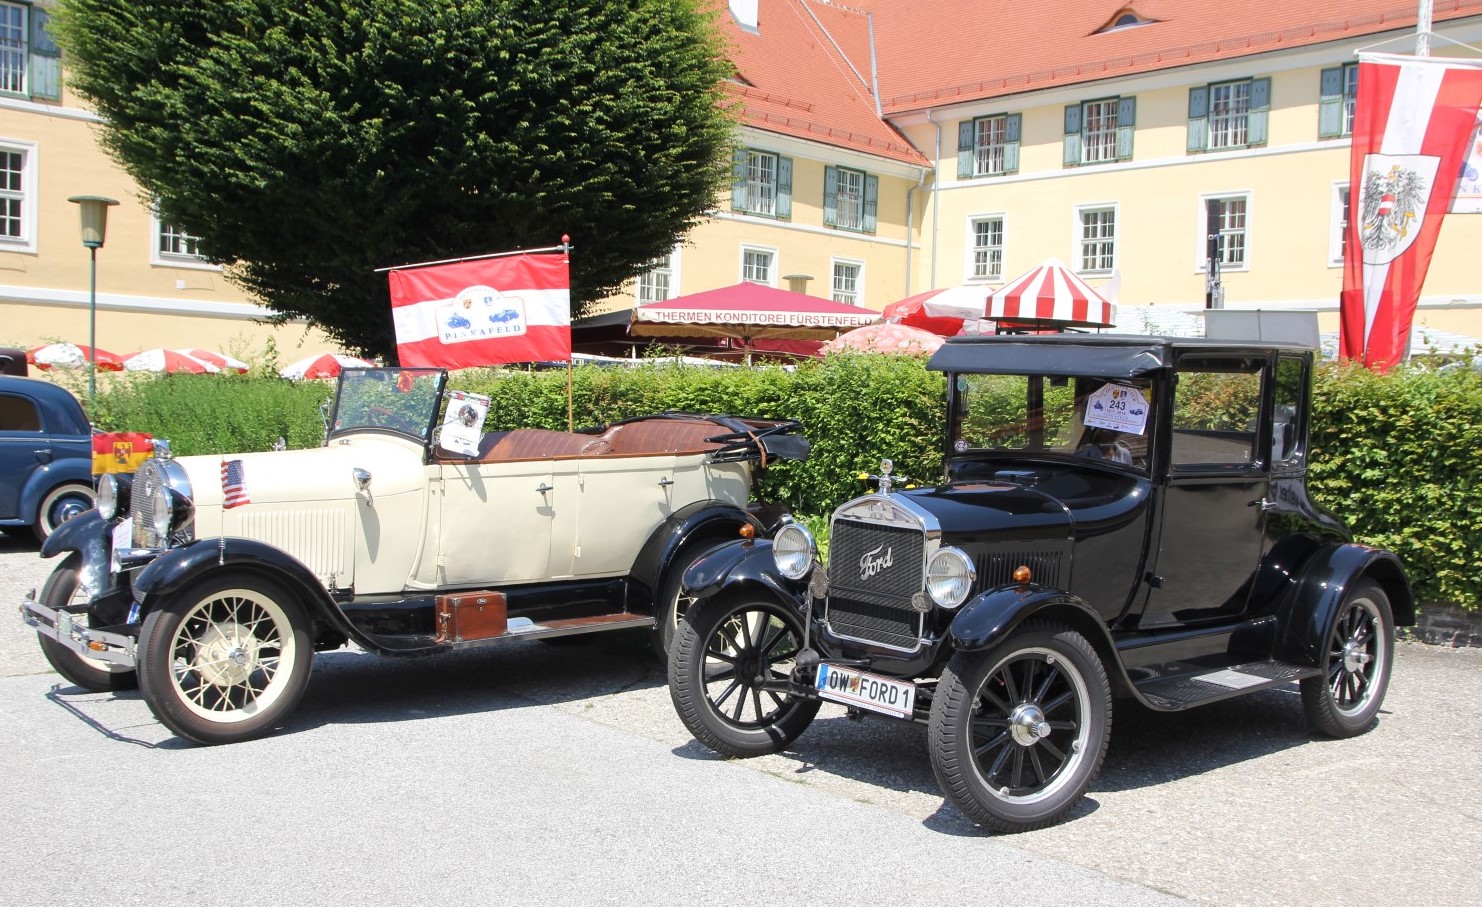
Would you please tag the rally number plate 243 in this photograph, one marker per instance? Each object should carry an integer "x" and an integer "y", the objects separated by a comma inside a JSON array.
[{"x": 866, "y": 691}]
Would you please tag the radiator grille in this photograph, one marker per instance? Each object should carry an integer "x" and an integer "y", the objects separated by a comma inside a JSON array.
[{"x": 874, "y": 571}]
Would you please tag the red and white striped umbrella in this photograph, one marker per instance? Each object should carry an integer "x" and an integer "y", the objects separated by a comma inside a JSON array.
[
  {"x": 1051, "y": 293},
  {"x": 168, "y": 361},
  {"x": 220, "y": 360},
  {"x": 324, "y": 365},
  {"x": 70, "y": 355},
  {"x": 941, "y": 311}
]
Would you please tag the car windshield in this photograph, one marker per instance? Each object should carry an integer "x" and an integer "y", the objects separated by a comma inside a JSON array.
[
  {"x": 396, "y": 399},
  {"x": 1095, "y": 418}
]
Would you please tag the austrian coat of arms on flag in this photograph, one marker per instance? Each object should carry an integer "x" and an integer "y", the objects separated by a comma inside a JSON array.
[{"x": 1412, "y": 125}]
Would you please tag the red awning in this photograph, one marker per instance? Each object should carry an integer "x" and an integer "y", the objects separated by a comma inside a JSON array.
[{"x": 1051, "y": 294}]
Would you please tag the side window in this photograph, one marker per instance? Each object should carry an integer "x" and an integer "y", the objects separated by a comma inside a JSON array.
[
  {"x": 1288, "y": 424},
  {"x": 18, "y": 414},
  {"x": 1216, "y": 410}
]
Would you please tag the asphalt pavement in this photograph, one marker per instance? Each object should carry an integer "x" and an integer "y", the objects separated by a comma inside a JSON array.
[{"x": 558, "y": 774}]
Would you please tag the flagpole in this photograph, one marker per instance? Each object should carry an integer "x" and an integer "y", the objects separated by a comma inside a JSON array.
[
  {"x": 1423, "y": 29},
  {"x": 564, "y": 247}
]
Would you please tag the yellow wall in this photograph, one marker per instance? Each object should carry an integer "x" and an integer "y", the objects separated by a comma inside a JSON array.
[{"x": 1159, "y": 199}]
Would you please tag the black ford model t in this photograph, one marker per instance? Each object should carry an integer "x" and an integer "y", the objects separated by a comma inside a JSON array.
[{"x": 1119, "y": 516}]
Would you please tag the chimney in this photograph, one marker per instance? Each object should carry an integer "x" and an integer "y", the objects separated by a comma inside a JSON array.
[{"x": 745, "y": 12}]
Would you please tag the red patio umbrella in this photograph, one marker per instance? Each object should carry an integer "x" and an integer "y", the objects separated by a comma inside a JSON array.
[
  {"x": 941, "y": 311},
  {"x": 168, "y": 361},
  {"x": 749, "y": 312},
  {"x": 324, "y": 365},
  {"x": 70, "y": 355},
  {"x": 886, "y": 338},
  {"x": 220, "y": 360},
  {"x": 1051, "y": 295}
]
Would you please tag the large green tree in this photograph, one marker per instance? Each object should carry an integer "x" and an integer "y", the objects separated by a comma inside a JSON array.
[{"x": 308, "y": 142}]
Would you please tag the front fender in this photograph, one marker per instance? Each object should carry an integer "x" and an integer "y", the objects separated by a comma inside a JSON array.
[
  {"x": 696, "y": 522},
  {"x": 989, "y": 617},
  {"x": 179, "y": 567},
  {"x": 41, "y": 481},
  {"x": 1306, "y": 615},
  {"x": 91, "y": 537},
  {"x": 743, "y": 565}
]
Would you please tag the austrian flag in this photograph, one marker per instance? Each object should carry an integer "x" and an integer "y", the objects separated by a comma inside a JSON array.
[
  {"x": 1413, "y": 119},
  {"x": 489, "y": 311}
]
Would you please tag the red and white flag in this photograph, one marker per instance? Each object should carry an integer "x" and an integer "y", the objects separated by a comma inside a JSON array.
[
  {"x": 1412, "y": 120},
  {"x": 487, "y": 312}
]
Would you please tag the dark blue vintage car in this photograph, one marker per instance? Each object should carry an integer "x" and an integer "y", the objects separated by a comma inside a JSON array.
[
  {"x": 46, "y": 457},
  {"x": 1118, "y": 517}
]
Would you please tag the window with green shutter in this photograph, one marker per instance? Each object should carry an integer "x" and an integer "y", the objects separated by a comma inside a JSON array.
[
  {"x": 1100, "y": 131},
  {"x": 45, "y": 59},
  {"x": 849, "y": 199},
  {"x": 988, "y": 146},
  {"x": 1337, "y": 88},
  {"x": 761, "y": 183},
  {"x": 1228, "y": 115}
]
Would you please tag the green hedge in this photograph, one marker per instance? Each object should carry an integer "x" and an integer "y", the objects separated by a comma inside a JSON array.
[{"x": 1396, "y": 456}]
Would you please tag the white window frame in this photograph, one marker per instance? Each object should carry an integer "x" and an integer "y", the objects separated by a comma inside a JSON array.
[
  {"x": 859, "y": 280},
  {"x": 1337, "y": 220},
  {"x": 173, "y": 259},
  {"x": 26, "y": 242},
  {"x": 1230, "y": 129},
  {"x": 667, "y": 265},
  {"x": 849, "y": 199},
  {"x": 970, "y": 274},
  {"x": 1202, "y": 261},
  {"x": 771, "y": 251},
  {"x": 1350, "y": 96},
  {"x": 1099, "y": 130},
  {"x": 990, "y": 144},
  {"x": 22, "y": 53},
  {"x": 761, "y": 187},
  {"x": 1079, "y": 242}
]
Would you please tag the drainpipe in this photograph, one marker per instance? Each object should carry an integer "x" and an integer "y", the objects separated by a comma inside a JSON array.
[
  {"x": 911, "y": 223},
  {"x": 936, "y": 207}
]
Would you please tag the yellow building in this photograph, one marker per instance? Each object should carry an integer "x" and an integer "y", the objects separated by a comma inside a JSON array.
[{"x": 886, "y": 147}]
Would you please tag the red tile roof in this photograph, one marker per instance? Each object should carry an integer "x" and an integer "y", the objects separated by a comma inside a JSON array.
[
  {"x": 805, "y": 73},
  {"x": 935, "y": 52}
]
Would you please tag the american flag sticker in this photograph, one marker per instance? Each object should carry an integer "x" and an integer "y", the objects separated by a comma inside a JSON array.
[{"x": 233, "y": 485}]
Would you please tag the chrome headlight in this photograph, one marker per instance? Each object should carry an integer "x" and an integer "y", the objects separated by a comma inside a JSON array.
[
  {"x": 162, "y": 511},
  {"x": 792, "y": 550},
  {"x": 949, "y": 577},
  {"x": 108, "y": 496}
]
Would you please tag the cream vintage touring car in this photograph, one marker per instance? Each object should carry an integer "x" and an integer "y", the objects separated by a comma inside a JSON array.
[{"x": 210, "y": 581}]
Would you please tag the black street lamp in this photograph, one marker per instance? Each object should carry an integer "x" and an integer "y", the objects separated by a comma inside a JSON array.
[{"x": 94, "y": 210}]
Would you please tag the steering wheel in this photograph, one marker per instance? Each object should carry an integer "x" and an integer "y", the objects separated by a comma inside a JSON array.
[{"x": 390, "y": 418}]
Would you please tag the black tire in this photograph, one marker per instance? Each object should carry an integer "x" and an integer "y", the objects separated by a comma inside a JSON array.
[
  {"x": 672, "y": 602},
  {"x": 226, "y": 659},
  {"x": 1017, "y": 733},
  {"x": 721, "y": 648},
  {"x": 1344, "y": 700},
  {"x": 60, "y": 505},
  {"x": 61, "y": 588}
]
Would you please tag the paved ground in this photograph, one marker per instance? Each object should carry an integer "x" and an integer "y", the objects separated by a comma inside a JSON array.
[{"x": 559, "y": 774}]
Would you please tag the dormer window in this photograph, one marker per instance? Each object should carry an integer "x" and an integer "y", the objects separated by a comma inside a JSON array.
[{"x": 1126, "y": 17}]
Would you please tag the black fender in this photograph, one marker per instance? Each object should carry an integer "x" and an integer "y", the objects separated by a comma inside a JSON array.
[
  {"x": 740, "y": 566},
  {"x": 179, "y": 567},
  {"x": 994, "y": 613},
  {"x": 90, "y": 536},
  {"x": 698, "y": 523},
  {"x": 1312, "y": 602}
]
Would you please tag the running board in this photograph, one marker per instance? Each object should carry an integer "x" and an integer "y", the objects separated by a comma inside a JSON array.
[
  {"x": 526, "y": 628},
  {"x": 1183, "y": 691}
]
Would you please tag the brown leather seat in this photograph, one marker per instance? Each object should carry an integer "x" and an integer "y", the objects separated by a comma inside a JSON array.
[{"x": 659, "y": 436}]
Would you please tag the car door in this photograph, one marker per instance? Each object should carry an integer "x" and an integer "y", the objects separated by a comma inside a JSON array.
[
  {"x": 498, "y": 519},
  {"x": 22, "y": 443},
  {"x": 1213, "y": 507}
]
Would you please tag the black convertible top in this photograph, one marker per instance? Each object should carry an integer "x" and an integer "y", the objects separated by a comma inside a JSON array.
[{"x": 1104, "y": 355}]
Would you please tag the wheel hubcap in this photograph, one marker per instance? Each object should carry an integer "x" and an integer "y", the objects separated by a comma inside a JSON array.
[
  {"x": 1027, "y": 724},
  {"x": 1354, "y": 656},
  {"x": 226, "y": 654}
]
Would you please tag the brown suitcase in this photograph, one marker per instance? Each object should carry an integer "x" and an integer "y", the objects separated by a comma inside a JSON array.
[{"x": 471, "y": 615}]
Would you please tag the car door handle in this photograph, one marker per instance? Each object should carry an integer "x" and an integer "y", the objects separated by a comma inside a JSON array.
[
  {"x": 1263, "y": 504},
  {"x": 543, "y": 488},
  {"x": 44, "y": 455},
  {"x": 665, "y": 482}
]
